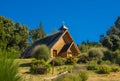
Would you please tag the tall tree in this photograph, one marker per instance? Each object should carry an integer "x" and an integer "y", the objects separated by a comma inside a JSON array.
[
  {"x": 6, "y": 32},
  {"x": 38, "y": 33},
  {"x": 117, "y": 23},
  {"x": 112, "y": 40},
  {"x": 12, "y": 35},
  {"x": 42, "y": 32}
]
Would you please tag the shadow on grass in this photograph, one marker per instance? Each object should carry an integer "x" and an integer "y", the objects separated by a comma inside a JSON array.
[{"x": 25, "y": 65}]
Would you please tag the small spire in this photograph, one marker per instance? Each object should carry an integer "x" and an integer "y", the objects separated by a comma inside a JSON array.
[{"x": 63, "y": 27}]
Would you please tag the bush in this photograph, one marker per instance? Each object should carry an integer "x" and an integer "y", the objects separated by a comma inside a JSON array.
[
  {"x": 92, "y": 65},
  {"x": 58, "y": 61},
  {"x": 39, "y": 67},
  {"x": 71, "y": 60},
  {"x": 8, "y": 67},
  {"x": 70, "y": 68},
  {"x": 41, "y": 52},
  {"x": 104, "y": 69},
  {"x": 83, "y": 48},
  {"x": 95, "y": 54},
  {"x": 115, "y": 68},
  {"x": 83, "y": 59},
  {"x": 104, "y": 62},
  {"x": 107, "y": 55},
  {"x": 83, "y": 76}
]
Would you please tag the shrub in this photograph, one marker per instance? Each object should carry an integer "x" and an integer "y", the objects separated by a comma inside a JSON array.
[
  {"x": 8, "y": 67},
  {"x": 58, "y": 61},
  {"x": 41, "y": 52},
  {"x": 95, "y": 54},
  {"x": 104, "y": 69},
  {"x": 83, "y": 76},
  {"x": 107, "y": 55},
  {"x": 39, "y": 67},
  {"x": 92, "y": 65},
  {"x": 115, "y": 68},
  {"x": 83, "y": 48},
  {"x": 83, "y": 59},
  {"x": 104, "y": 62},
  {"x": 71, "y": 60},
  {"x": 69, "y": 68}
]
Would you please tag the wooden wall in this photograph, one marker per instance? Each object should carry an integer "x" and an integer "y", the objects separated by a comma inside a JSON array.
[
  {"x": 58, "y": 46},
  {"x": 64, "y": 54}
]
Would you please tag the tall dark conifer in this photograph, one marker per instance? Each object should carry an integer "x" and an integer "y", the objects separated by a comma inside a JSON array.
[
  {"x": 42, "y": 32},
  {"x": 112, "y": 40}
]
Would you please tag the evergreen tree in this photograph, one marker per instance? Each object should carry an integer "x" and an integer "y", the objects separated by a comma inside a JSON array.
[
  {"x": 112, "y": 40},
  {"x": 42, "y": 32},
  {"x": 38, "y": 33}
]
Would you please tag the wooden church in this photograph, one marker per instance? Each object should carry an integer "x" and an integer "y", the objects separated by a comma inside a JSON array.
[{"x": 60, "y": 44}]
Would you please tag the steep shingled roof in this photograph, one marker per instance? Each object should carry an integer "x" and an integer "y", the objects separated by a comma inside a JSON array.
[{"x": 49, "y": 41}]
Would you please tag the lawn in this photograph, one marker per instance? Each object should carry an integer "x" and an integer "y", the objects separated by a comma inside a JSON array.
[{"x": 24, "y": 66}]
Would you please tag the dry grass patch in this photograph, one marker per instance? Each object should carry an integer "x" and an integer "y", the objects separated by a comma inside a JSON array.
[{"x": 104, "y": 77}]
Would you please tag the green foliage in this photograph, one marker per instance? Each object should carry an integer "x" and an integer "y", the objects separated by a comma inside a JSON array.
[
  {"x": 92, "y": 65},
  {"x": 21, "y": 36},
  {"x": 70, "y": 68},
  {"x": 41, "y": 52},
  {"x": 13, "y": 35},
  {"x": 108, "y": 55},
  {"x": 82, "y": 76},
  {"x": 8, "y": 67},
  {"x": 39, "y": 67},
  {"x": 83, "y": 48},
  {"x": 58, "y": 61},
  {"x": 95, "y": 54},
  {"x": 71, "y": 60},
  {"x": 112, "y": 56},
  {"x": 115, "y": 68},
  {"x": 112, "y": 40},
  {"x": 72, "y": 77},
  {"x": 104, "y": 69},
  {"x": 83, "y": 58},
  {"x": 37, "y": 33},
  {"x": 101, "y": 62}
]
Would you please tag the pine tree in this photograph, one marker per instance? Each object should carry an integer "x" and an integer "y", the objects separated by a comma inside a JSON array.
[
  {"x": 37, "y": 34},
  {"x": 42, "y": 33},
  {"x": 112, "y": 40}
]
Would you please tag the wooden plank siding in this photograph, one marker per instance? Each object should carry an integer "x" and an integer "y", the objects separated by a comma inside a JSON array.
[
  {"x": 59, "y": 44},
  {"x": 65, "y": 39}
]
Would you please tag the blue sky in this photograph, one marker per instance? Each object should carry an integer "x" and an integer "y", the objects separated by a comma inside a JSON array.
[{"x": 86, "y": 19}]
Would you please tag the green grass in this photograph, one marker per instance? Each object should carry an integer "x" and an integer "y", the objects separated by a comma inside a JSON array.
[{"x": 8, "y": 69}]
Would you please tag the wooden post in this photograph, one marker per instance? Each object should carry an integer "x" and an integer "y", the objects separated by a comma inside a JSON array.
[{"x": 53, "y": 66}]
